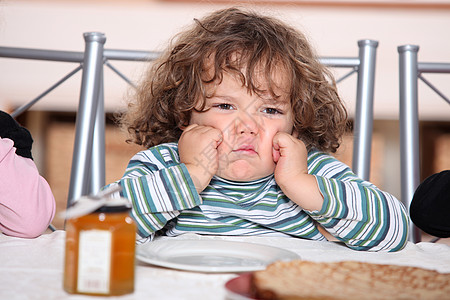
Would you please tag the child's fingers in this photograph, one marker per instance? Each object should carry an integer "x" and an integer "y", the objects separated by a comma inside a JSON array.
[
  {"x": 217, "y": 136},
  {"x": 275, "y": 154},
  {"x": 278, "y": 143},
  {"x": 212, "y": 133},
  {"x": 282, "y": 140},
  {"x": 285, "y": 144},
  {"x": 202, "y": 132}
]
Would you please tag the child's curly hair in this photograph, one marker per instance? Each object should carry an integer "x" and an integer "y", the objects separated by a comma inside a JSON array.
[{"x": 175, "y": 85}]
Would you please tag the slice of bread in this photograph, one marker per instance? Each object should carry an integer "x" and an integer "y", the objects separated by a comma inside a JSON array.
[{"x": 347, "y": 280}]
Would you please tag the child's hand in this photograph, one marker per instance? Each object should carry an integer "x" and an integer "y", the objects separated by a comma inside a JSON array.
[
  {"x": 291, "y": 172},
  {"x": 198, "y": 151},
  {"x": 290, "y": 155}
]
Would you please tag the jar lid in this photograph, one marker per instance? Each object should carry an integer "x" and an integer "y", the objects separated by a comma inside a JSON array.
[
  {"x": 97, "y": 203},
  {"x": 115, "y": 205}
]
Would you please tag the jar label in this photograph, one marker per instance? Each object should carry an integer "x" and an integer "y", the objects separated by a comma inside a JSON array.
[{"x": 94, "y": 261}]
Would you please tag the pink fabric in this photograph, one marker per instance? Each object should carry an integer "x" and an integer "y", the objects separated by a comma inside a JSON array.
[{"x": 27, "y": 204}]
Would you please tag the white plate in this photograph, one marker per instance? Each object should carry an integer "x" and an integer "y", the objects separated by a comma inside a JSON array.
[{"x": 211, "y": 256}]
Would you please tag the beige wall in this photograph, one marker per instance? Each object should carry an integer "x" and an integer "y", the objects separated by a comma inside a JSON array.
[{"x": 147, "y": 25}]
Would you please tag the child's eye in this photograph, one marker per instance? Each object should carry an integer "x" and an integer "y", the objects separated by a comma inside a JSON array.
[
  {"x": 272, "y": 111},
  {"x": 224, "y": 106}
]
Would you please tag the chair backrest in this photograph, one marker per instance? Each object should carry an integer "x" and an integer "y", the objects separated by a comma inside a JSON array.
[
  {"x": 364, "y": 66},
  {"x": 88, "y": 162},
  {"x": 410, "y": 71}
]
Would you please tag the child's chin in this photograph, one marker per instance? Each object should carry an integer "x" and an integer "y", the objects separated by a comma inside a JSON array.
[{"x": 243, "y": 173}]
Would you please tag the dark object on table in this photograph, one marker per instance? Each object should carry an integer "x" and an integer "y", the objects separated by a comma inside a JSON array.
[
  {"x": 430, "y": 206},
  {"x": 9, "y": 128}
]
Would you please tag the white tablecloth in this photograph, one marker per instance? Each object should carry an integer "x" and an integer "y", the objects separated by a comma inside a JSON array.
[{"x": 33, "y": 268}]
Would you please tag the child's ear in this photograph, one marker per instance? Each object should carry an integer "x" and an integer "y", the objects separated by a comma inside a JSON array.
[{"x": 295, "y": 133}]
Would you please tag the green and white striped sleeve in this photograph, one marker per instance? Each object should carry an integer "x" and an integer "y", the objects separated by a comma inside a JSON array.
[
  {"x": 159, "y": 187},
  {"x": 356, "y": 211}
]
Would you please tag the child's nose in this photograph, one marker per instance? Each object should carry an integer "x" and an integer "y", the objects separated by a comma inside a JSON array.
[{"x": 247, "y": 124}]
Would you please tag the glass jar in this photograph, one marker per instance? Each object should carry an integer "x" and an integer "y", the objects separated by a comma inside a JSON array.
[{"x": 100, "y": 252}]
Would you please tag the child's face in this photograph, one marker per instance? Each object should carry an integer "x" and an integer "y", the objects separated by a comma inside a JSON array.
[{"x": 248, "y": 123}]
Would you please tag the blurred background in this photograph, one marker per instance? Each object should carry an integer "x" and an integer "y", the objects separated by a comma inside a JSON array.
[{"x": 334, "y": 28}]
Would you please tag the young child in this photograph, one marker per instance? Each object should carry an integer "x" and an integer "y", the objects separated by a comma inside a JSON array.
[
  {"x": 27, "y": 205},
  {"x": 238, "y": 116}
]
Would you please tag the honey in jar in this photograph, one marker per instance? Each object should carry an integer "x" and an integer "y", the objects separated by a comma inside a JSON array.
[{"x": 100, "y": 251}]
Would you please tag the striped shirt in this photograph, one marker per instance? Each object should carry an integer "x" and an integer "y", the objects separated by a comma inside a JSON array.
[{"x": 165, "y": 201}]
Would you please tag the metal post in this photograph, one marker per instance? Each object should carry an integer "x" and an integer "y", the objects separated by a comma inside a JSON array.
[
  {"x": 409, "y": 128},
  {"x": 89, "y": 96},
  {"x": 364, "y": 109},
  {"x": 97, "y": 179}
]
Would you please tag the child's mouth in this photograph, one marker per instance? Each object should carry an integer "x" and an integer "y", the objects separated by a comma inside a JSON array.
[{"x": 246, "y": 149}]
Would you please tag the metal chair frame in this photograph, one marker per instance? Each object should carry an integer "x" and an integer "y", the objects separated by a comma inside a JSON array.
[
  {"x": 88, "y": 162},
  {"x": 410, "y": 71}
]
